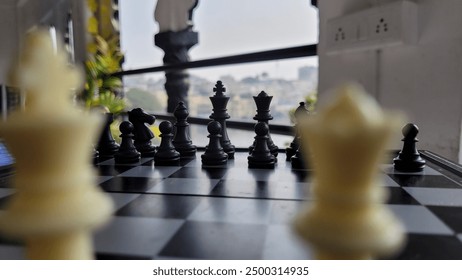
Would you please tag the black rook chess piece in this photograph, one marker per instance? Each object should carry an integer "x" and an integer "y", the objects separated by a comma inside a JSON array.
[
  {"x": 127, "y": 152},
  {"x": 219, "y": 102},
  {"x": 166, "y": 153},
  {"x": 408, "y": 159},
  {"x": 300, "y": 112},
  {"x": 142, "y": 134},
  {"x": 263, "y": 101},
  {"x": 261, "y": 156},
  {"x": 214, "y": 153},
  {"x": 182, "y": 140},
  {"x": 107, "y": 146}
]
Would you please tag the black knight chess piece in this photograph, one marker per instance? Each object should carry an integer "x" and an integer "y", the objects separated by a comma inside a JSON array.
[
  {"x": 107, "y": 146},
  {"x": 261, "y": 156},
  {"x": 299, "y": 113},
  {"x": 166, "y": 153},
  {"x": 182, "y": 140},
  {"x": 408, "y": 159},
  {"x": 127, "y": 152},
  {"x": 142, "y": 134},
  {"x": 214, "y": 154},
  {"x": 219, "y": 102},
  {"x": 263, "y": 102}
]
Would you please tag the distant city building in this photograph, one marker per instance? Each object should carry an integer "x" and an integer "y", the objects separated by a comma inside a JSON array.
[{"x": 307, "y": 72}]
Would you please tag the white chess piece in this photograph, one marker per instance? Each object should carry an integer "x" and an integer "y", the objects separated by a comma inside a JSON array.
[
  {"x": 173, "y": 15},
  {"x": 57, "y": 202},
  {"x": 346, "y": 143}
]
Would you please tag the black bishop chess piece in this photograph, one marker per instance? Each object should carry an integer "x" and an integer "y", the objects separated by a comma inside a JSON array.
[
  {"x": 408, "y": 159},
  {"x": 263, "y": 102},
  {"x": 142, "y": 134},
  {"x": 166, "y": 153},
  {"x": 219, "y": 103},
  {"x": 107, "y": 146},
  {"x": 297, "y": 160},
  {"x": 95, "y": 156},
  {"x": 214, "y": 154},
  {"x": 299, "y": 113},
  {"x": 261, "y": 156},
  {"x": 127, "y": 152},
  {"x": 182, "y": 140}
]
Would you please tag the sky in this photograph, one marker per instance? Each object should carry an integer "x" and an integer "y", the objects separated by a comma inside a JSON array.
[{"x": 226, "y": 27}]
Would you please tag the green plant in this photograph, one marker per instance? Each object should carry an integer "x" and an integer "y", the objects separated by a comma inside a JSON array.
[{"x": 102, "y": 89}]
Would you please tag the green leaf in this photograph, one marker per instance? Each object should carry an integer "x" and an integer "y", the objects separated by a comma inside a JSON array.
[
  {"x": 112, "y": 83},
  {"x": 109, "y": 100}
]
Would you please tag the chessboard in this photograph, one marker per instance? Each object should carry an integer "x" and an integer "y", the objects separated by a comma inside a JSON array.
[{"x": 233, "y": 212}]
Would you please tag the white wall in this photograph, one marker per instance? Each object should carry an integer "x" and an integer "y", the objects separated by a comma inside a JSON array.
[{"x": 423, "y": 80}]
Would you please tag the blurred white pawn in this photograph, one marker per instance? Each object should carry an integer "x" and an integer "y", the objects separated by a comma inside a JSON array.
[
  {"x": 346, "y": 142},
  {"x": 57, "y": 202}
]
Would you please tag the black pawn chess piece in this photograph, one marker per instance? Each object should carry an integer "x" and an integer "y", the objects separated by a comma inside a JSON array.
[
  {"x": 299, "y": 113},
  {"x": 263, "y": 102},
  {"x": 127, "y": 152},
  {"x": 142, "y": 134},
  {"x": 214, "y": 154},
  {"x": 107, "y": 146},
  {"x": 219, "y": 102},
  {"x": 261, "y": 156},
  {"x": 182, "y": 140},
  {"x": 166, "y": 153},
  {"x": 408, "y": 159}
]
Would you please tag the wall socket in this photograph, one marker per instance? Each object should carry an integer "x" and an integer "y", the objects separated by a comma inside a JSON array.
[
  {"x": 395, "y": 23},
  {"x": 341, "y": 33}
]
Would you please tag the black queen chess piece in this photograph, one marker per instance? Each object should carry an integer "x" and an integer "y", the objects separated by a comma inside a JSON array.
[
  {"x": 219, "y": 103},
  {"x": 408, "y": 159},
  {"x": 166, "y": 153},
  {"x": 142, "y": 133},
  {"x": 127, "y": 152},
  {"x": 261, "y": 156},
  {"x": 182, "y": 139},
  {"x": 299, "y": 113},
  {"x": 214, "y": 154},
  {"x": 263, "y": 102}
]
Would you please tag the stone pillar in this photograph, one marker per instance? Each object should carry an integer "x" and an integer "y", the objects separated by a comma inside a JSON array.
[{"x": 175, "y": 38}]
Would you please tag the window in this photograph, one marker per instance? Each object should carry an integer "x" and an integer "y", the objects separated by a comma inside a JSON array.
[{"x": 227, "y": 28}]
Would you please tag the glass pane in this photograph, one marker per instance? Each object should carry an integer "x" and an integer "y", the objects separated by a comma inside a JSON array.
[
  {"x": 225, "y": 28},
  {"x": 288, "y": 81}
]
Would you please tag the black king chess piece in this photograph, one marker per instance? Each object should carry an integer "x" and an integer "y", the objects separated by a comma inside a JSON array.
[
  {"x": 127, "y": 152},
  {"x": 299, "y": 113},
  {"x": 107, "y": 146},
  {"x": 142, "y": 134},
  {"x": 408, "y": 159},
  {"x": 182, "y": 139},
  {"x": 263, "y": 101},
  {"x": 219, "y": 102},
  {"x": 261, "y": 156},
  {"x": 166, "y": 153},
  {"x": 214, "y": 154}
]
